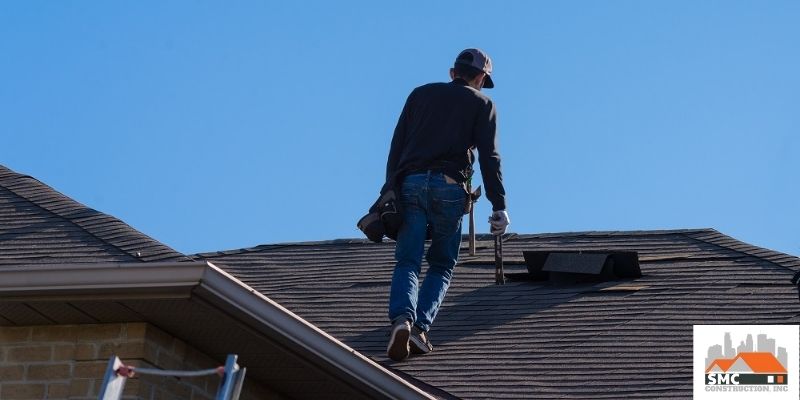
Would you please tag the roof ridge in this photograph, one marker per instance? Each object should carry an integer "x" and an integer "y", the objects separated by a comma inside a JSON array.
[
  {"x": 272, "y": 246},
  {"x": 480, "y": 236},
  {"x": 612, "y": 233},
  {"x": 720, "y": 239},
  {"x": 104, "y": 227}
]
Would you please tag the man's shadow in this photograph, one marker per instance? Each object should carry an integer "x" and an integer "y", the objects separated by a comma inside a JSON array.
[{"x": 469, "y": 311}]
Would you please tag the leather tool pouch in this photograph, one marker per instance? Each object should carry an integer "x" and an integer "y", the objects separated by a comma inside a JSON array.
[{"x": 383, "y": 218}]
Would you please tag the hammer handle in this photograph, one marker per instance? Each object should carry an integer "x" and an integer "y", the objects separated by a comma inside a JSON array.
[
  {"x": 472, "y": 231},
  {"x": 499, "y": 277}
]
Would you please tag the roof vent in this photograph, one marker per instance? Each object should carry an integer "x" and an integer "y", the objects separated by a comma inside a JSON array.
[{"x": 582, "y": 266}]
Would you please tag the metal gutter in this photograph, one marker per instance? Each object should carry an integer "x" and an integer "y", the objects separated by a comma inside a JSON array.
[
  {"x": 114, "y": 281},
  {"x": 206, "y": 281}
]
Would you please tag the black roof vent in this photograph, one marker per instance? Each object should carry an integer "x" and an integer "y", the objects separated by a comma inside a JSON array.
[{"x": 582, "y": 266}]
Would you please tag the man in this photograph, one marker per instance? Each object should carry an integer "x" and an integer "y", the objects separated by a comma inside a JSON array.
[{"x": 430, "y": 162}]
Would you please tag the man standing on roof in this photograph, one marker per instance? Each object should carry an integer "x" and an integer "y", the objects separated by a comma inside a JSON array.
[{"x": 430, "y": 161}]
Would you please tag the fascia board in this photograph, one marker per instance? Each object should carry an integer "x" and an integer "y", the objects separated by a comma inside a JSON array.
[{"x": 69, "y": 282}]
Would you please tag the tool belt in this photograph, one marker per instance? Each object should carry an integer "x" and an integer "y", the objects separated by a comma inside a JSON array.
[
  {"x": 385, "y": 216},
  {"x": 472, "y": 196}
]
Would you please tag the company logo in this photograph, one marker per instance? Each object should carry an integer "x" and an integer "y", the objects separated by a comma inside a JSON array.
[
  {"x": 738, "y": 361},
  {"x": 748, "y": 367}
]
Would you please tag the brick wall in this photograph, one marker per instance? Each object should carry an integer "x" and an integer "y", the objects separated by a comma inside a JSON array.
[{"x": 69, "y": 361}]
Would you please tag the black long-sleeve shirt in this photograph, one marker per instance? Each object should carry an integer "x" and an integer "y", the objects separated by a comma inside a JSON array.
[{"x": 440, "y": 127}]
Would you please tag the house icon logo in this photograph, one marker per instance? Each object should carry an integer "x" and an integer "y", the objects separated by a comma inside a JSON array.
[
  {"x": 748, "y": 367},
  {"x": 758, "y": 360}
]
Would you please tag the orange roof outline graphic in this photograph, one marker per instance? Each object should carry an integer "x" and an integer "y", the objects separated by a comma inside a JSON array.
[{"x": 759, "y": 362}]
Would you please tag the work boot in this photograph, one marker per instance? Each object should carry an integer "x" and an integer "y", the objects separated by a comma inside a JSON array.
[
  {"x": 398, "y": 348},
  {"x": 419, "y": 341}
]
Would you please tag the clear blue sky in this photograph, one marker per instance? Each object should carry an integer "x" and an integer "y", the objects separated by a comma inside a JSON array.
[{"x": 220, "y": 125}]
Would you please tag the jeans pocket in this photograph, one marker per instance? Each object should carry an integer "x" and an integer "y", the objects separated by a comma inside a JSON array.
[
  {"x": 409, "y": 194},
  {"x": 451, "y": 194},
  {"x": 453, "y": 207},
  {"x": 447, "y": 217}
]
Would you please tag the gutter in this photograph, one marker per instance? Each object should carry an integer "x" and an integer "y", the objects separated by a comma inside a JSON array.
[{"x": 204, "y": 280}]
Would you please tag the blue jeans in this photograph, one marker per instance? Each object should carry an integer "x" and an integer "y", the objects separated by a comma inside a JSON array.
[{"x": 427, "y": 200}]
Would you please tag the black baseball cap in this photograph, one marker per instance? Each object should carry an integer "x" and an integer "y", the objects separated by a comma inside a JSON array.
[{"x": 476, "y": 58}]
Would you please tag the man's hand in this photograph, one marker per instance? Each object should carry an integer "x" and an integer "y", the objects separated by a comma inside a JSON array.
[{"x": 499, "y": 222}]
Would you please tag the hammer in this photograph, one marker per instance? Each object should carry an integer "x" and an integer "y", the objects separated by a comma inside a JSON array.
[{"x": 499, "y": 278}]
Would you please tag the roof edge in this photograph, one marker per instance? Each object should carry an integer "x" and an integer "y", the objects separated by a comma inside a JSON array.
[{"x": 99, "y": 281}]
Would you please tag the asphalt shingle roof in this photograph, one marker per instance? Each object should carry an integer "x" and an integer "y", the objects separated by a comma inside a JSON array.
[
  {"x": 530, "y": 339},
  {"x": 40, "y": 225},
  {"x": 525, "y": 339}
]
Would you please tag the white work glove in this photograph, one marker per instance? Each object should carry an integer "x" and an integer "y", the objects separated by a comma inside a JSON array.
[{"x": 499, "y": 222}]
